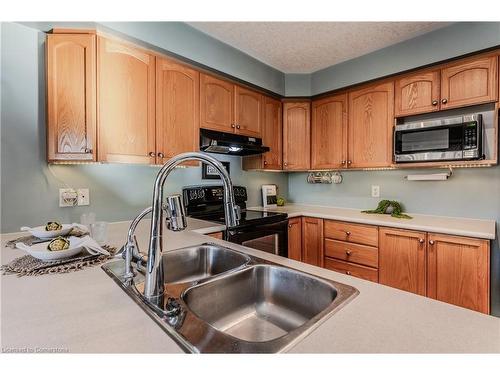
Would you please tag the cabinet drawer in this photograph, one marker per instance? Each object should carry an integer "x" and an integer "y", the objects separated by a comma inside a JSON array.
[
  {"x": 367, "y": 273},
  {"x": 357, "y": 233},
  {"x": 351, "y": 252}
]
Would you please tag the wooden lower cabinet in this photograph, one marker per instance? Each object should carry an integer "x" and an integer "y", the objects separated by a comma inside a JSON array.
[
  {"x": 356, "y": 270},
  {"x": 458, "y": 271},
  {"x": 217, "y": 235},
  {"x": 295, "y": 238},
  {"x": 402, "y": 259},
  {"x": 312, "y": 241},
  {"x": 349, "y": 252}
]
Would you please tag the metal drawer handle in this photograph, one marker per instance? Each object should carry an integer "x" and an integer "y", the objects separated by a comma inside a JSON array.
[
  {"x": 348, "y": 233},
  {"x": 347, "y": 272},
  {"x": 348, "y": 252}
]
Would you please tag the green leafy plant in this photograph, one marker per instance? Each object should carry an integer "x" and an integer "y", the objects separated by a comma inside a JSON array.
[{"x": 397, "y": 209}]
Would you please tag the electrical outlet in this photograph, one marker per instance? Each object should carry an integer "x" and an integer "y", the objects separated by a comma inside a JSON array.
[
  {"x": 375, "y": 191},
  {"x": 67, "y": 197},
  {"x": 83, "y": 197}
]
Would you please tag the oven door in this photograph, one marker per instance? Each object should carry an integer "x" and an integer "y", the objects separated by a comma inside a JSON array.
[
  {"x": 271, "y": 238},
  {"x": 444, "y": 142}
]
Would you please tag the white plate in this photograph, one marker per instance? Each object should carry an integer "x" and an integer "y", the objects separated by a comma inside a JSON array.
[
  {"x": 41, "y": 252},
  {"x": 40, "y": 231}
]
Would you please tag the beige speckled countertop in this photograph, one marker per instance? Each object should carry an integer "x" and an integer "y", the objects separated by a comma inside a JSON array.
[
  {"x": 86, "y": 311},
  {"x": 428, "y": 223}
]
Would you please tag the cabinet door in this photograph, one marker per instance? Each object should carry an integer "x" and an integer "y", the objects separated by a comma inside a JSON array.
[
  {"x": 468, "y": 83},
  {"x": 71, "y": 97},
  {"x": 177, "y": 109},
  {"x": 126, "y": 79},
  {"x": 295, "y": 238},
  {"x": 216, "y": 104},
  {"x": 248, "y": 112},
  {"x": 402, "y": 259},
  {"x": 272, "y": 134},
  {"x": 312, "y": 241},
  {"x": 371, "y": 118},
  {"x": 329, "y": 133},
  {"x": 417, "y": 93},
  {"x": 296, "y": 136},
  {"x": 459, "y": 271}
]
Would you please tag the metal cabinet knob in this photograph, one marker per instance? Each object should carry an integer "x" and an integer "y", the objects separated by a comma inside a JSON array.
[
  {"x": 348, "y": 233},
  {"x": 348, "y": 252},
  {"x": 265, "y": 162},
  {"x": 444, "y": 101},
  {"x": 343, "y": 162},
  {"x": 421, "y": 240},
  {"x": 88, "y": 150},
  {"x": 289, "y": 225},
  {"x": 349, "y": 162},
  {"x": 237, "y": 126},
  {"x": 435, "y": 102},
  {"x": 233, "y": 126},
  {"x": 431, "y": 242},
  {"x": 161, "y": 155},
  {"x": 286, "y": 163},
  {"x": 347, "y": 272},
  {"x": 152, "y": 154}
]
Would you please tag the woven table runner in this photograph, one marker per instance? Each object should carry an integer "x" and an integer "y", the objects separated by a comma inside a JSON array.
[{"x": 31, "y": 266}]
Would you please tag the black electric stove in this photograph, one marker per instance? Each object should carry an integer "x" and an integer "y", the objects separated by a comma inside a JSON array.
[{"x": 267, "y": 231}]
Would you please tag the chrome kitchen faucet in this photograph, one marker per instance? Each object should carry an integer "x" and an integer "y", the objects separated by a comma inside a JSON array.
[{"x": 176, "y": 221}]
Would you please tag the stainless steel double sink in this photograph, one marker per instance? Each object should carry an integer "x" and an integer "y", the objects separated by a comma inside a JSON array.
[{"x": 220, "y": 300}]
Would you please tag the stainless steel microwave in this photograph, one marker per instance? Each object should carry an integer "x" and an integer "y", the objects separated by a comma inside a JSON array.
[{"x": 447, "y": 139}]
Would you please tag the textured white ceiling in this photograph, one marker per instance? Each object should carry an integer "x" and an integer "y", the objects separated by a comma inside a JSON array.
[{"x": 305, "y": 47}]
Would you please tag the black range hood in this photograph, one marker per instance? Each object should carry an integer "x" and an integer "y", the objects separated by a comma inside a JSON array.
[{"x": 230, "y": 144}]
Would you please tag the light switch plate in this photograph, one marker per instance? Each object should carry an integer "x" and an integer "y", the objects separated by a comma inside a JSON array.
[
  {"x": 375, "y": 191},
  {"x": 67, "y": 197},
  {"x": 83, "y": 197}
]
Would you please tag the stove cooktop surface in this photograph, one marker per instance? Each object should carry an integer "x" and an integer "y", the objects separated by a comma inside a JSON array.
[{"x": 248, "y": 217}]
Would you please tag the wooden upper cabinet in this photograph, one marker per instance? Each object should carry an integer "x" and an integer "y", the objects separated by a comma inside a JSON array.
[
  {"x": 272, "y": 133},
  {"x": 371, "y": 118},
  {"x": 312, "y": 241},
  {"x": 295, "y": 238},
  {"x": 126, "y": 81},
  {"x": 71, "y": 97},
  {"x": 296, "y": 135},
  {"x": 458, "y": 271},
  {"x": 474, "y": 81},
  {"x": 417, "y": 93},
  {"x": 247, "y": 112},
  {"x": 402, "y": 259},
  {"x": 216, "y": 104},
  {"x": 177, "y": 109},
  {"x": 329, "y": 133}
]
